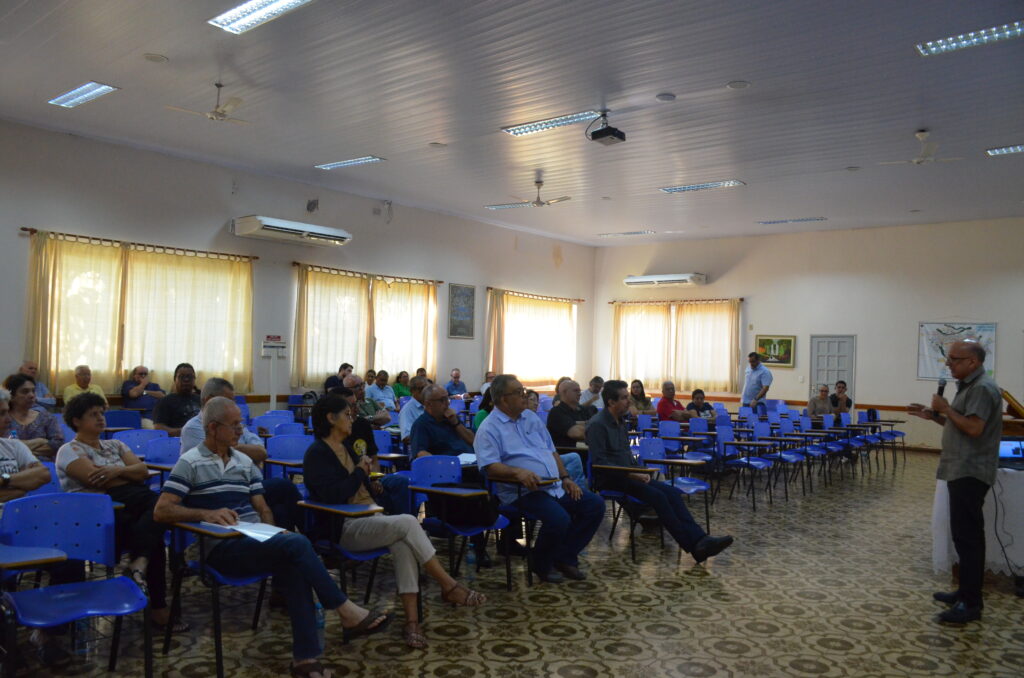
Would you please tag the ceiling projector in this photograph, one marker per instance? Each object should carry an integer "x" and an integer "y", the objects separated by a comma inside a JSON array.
[{"x": 608, "y": 135}]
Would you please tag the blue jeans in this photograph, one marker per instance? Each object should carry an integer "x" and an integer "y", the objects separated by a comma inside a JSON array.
[
  {"x": 666, "y": 501},
  {"x": 290, "y": 557},
  {"x": 574, "y": 467},
  {"x": 567, "y": 526}
]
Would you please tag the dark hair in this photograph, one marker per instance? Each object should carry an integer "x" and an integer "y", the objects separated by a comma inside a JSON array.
[
  {"x": 841, "y": 382},
  {"x": 385, "y": 373},
  {"x": 754, "y": 354},
  {"x": 487, "y": 404},
  {"x": 182, "y": 366},
  {"x": 611, "y": 390},
  {"x": 15, "y": 381},
  {"x": 643, "y": 393},
  {"x": 418, "y": 383},
  {"x": 332, "y": 403},
  {"x": 530, "y": 392},
  {"x": 79, "y": 405},
  {"x": 598, "y": 380},
  {"x": 499, "y": 385},
  {"x": 696, "y": 391},
  {"x": 398, "y": 377},
  {"x": 344, "y": 365}
]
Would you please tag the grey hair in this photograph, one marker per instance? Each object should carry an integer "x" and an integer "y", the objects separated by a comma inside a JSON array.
[
  {"x": 975, "y": 348},
  {"x": 5, "y": 395},
  {"x": 417, "y": 383},
  {"x": 823, "y": 386},
  {"x": 79, "y": 368},
  {"x": 500, "y": 385},
  {"x": 351, "y": 379},
  {"x": 215, "y": 409},
  {"x": 666, "y": 383},
  {"x": 431, "y": 388},
  {"x": 214, "y": 386}
]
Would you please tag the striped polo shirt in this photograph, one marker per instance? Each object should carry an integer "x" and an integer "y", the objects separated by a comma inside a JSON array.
[{"x": 204, "y": 481}]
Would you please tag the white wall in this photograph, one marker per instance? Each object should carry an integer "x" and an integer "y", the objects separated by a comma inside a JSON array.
[
  {"x": 65, "y": 183},
  {"x": 876, "y": 284}
]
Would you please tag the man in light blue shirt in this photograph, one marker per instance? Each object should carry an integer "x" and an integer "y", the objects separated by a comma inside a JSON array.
[
  {"x": 456, "y": 387},
  {"x": 413, "y": 407},
  {"x": 380, "y": 392},
  {"x": 758, "y": 379},
  {"x": 513, "y": 445},
  {"x": 44, "y": 399}
]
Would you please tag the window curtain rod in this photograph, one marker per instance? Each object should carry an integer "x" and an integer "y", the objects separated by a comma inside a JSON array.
[
  {"x": 395, "y": 278},
  {"x": 162, "y": 249},
  {"x": 537, "y": 296},
  {"x": 671, "y": 301}
]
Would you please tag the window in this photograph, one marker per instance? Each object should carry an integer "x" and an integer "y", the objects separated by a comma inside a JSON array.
[
  {"x": 404, "y": 324},
  {"x": 530, "y": 336}
]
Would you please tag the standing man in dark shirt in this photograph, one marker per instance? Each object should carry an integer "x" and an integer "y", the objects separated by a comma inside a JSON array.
[
  {"x": 567, "y": 421},
  {"x": 971, "y": 429},
  {"x": 175, "y": 409},
  {"x": 138, "y": 392}
]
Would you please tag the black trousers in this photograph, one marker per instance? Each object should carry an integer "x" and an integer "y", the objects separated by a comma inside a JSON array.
[{"x": 967, "y": 523}]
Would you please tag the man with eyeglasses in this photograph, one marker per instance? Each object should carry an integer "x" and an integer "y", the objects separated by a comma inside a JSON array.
[
  {"x": 175, "y": 409},
  {"x": 971, "y": 430},
  {"x": 821, "y": 403},
  {"x": 138, "y": 392},
  {"x": 366, "y": 408},
  {"x": 514, "y": 449}
]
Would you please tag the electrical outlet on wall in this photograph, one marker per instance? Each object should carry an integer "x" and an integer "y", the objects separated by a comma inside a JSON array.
[
  {"x": 750, "y": 327},
  {"x": 801, "y": 378}
]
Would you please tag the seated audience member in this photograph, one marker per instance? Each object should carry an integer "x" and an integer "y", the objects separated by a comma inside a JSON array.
[
  {"x": 439, "y": 430},
  {"x": 381, "y": 393},
  {"x": 639, "y": 403},
  {"x": 532, "y": 400},
  {"x": 486, "y": 405},
  {"x": 515, "y": 451},
  {"x": 176, "y": 408},
  {"x": 567, "y": 421},
  {"x": 413, "y": 408},
  {"x": 488, "y": 378},
  {"x": 592, "y": 396},
  {"x": 699, "y": 406},
  {"x": 334, "y": 475},
  {"x": 370, "y": 376},
  {"x": 20, "y": 471},
  {"x": 421, "y": 372},
  {"x": 44, "y": 399},
  {"x": 554, "y": 399},
  {"x": 139, "y": 392},
  {"x": 669, "y": 408},
  {"x": 215, "y": 483},
  {"x": 280, "y": 493},
  {"x": 39, "y": 430},
  {"x": 338, "y": 380},
  {"x": 90, "y": 463},
  {"x": 456, "y": 387},
  {"x": 840, "y": 401},
  {"x": 609, "y": 446},
  {"x": 368, "y": 409},
  {"x": 401, "y": 385},
  {"x": 820, "y": 404},
  {"x": 83, "y": 384}
]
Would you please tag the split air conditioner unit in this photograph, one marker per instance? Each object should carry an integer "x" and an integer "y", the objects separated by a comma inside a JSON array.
[
  {"x": 665, "y": 280},
  {"x": 269, "y": 228}
]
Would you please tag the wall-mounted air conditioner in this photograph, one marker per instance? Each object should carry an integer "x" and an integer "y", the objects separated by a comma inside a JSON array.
[
  {"x": 665, "y": 279},
  {"x": 269, "y": 228}
]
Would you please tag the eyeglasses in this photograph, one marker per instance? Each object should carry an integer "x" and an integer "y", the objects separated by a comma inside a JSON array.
[
  {"x": 237, "y": 427},
  {"x": 952, "y": 359},
  {"x": 519, "y": 393}
]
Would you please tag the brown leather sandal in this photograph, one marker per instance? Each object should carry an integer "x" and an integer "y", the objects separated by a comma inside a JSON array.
[
  {"x": 413, "y": 635},
  {"x": 460, "y": 596}
]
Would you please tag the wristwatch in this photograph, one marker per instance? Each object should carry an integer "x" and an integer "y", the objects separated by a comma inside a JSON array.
[
  {"x": 564, "y": 477},
  {"x": 5, "y": 480}
]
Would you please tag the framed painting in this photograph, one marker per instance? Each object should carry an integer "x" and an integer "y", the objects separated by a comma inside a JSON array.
[
  {"x": 461, "y": 311},
  {"x": 776, "y": 350}
]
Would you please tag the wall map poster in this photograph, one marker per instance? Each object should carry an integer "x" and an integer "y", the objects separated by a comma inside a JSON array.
[{"x": 934, "y": 340}]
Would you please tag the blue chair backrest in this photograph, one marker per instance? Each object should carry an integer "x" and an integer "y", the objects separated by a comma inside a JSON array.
[
  {"x": 750, "y": 417},
  {"x": 283, "y": 413},
  {"x": 724, "y": 419},
  {"x": 862, "y": 417},
  {"x": 654, "y": 402},
  {"x": 296, "y": 399},
  {"x": 805, "y": 423},
  {"x": 828, "y": 420},
  {"x": 719, "y": 407},
  {"x": 669, "y": 428},
  {"x": 139, "y": 438},
  {"x": 383, "y": 440},
  {"x": 651, "y": 448},
  {"x": 244, "y": 409},
  {"x": 288, "y": 447},
  {"x": 772, "y": 405},
  {"x": 873, "y": 414},
  {"x": 545, "y": 402},
  {"x": 403, "y": 400},
  {"x": 457, "y": 404},
  {"x": 163, "y": 451},
  {"x": 394, "y": 418},
  {"x": 291, "y": 428},
  {"x": 270, "y": 421},
  {"x": 698, "y": 425},
  {"x": 724, "y": 436},
  {"x": 50, "y": 487},
  {"x": 474, "y": 406},
  {"x": 644, "y": 421},
  {"x": 745, "y": 411},
  {"x": 240, "y": 399},
  {"x": 81, "y": 524},
  {"x": 69, "y": 433},
  {"x": 762, "y": 429},
  {"x": 774, "y": 417},
  {"x": 783, "y": 407},
  {"x": 844, "y": 418},
  {"x": 436, "y": 469},
  {"x": 127, "y": 418},
  {"x": 786, "y": 426}
]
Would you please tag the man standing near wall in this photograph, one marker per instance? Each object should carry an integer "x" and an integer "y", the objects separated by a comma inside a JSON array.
[
  {"x": 971, "y": 429},
  {"x": 758, "y": 380}
]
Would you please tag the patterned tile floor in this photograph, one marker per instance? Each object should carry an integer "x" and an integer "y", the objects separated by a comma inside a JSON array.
[{"x": 837, "y": 583}]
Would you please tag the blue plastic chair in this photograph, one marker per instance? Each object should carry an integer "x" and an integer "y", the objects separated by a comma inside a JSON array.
[
  {"x": 52, "y": 487},
  {"x": 402, "y": 401},
  {"x": 283, "y": 413},
  {"x": 644, "y": 421},
  {"x": 126, "y": 418},
  {"x": 138, "y": 439},
  {"x": 291, "y": 428},
  {"x": 740, "y": 460},
  {"x": 270, "y": 421},
  {"x": 286, "y": 448},
  {"x": 672, "y": 429},
  {"x": 543, "y": 416},
  {"x": 781, "y": 457},
  {"x": 81, "y": 524},
  {"x": 653, "y": 449},
  {"x": 162, "y": 452},
  {"x": 706, "y": 451},
  {"x": 619, "y": 501}
]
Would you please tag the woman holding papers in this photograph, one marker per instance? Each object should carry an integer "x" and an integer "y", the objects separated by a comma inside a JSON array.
[
  {"x": 90, "y": 464},
  {"x": 335, "y": 475}
]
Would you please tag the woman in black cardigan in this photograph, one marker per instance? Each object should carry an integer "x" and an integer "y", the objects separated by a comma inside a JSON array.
[{"x": 335, "y": 475}]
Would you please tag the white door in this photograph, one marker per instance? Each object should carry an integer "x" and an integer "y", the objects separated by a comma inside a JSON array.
[{"x": 833, "y": 357}]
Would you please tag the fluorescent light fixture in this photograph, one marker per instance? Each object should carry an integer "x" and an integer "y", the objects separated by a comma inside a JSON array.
[
  {"x": 82, "y": 94},
  {"x": 509, "y": 205},
  {"x": 1006, "y": 150},
  {"x": 550, "y": 123},
  {"x": 801, "y": 220},
  {"x": 249, "y": 15},
  {"x": 623, "y": 234},
  {"x": 702, "y": 187},
  {"x": 365, "y": 160},
  {"x": 981, "y": 36}
]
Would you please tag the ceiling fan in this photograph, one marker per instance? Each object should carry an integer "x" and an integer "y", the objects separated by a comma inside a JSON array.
[
  {"x": 927, "y": 154},
  {"x": 219, "y": 113},
  {"x": 530, "y": 203}
]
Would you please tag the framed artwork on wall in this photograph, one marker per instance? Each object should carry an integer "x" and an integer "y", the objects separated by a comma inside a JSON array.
[
  {"x": 461, "y": 311},
  {"x": 776, "y": 350}
]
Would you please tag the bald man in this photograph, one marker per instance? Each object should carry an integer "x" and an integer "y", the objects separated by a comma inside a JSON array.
[{"x": 567, "y": 421}]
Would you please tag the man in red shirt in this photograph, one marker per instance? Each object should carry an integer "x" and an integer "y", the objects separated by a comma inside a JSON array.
[{"x": 668, "y": 407}]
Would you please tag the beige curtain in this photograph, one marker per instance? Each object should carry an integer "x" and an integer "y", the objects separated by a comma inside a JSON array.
[
  {"x": 494, "y": 332},
  {"x": 641, "y": 343},
  {"x": 538, "y": 339},
  {"x": 404, "y": 324},
  {"x": 706, "y": 346},
  {"x": 74, "y": 304},
  {"x": 332, "y": 324},
  {"x": 194, "y": 307}
]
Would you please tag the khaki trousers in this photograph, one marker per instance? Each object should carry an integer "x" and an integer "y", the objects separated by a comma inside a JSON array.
[{"x": 400, "y": 534}]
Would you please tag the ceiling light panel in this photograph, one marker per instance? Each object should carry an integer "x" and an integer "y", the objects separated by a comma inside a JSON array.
[
  {"x": 365, "y": 160},
  {"x": 624, "y": 234},
  {"x": 982, "y": 36},
  {"x": 729, "y": 183},
  {"x": 1006, "y": 150},
  {"x": 801, "y": 220},
  {"x": 249, "y": 15},
  {"x": 550, "y": 123},
  {"x": 82, "y": 94}
]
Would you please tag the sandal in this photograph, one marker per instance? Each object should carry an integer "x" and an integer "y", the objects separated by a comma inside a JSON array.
[
  {"x": 367, "y": 627},
  {"x": 413, "y": 635},
  {"x": 139, "y": 577},
  {"x": 307, "y": 669},
  {"x": 468, "y": 597},
  {"x": 177, "y": 626}
]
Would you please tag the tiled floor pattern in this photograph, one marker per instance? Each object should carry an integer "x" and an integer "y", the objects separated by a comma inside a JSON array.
[{"x": 837, "y": 583}]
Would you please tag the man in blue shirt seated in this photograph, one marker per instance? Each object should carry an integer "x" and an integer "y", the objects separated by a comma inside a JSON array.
[
  {"x": 413, "y": 408},
  {"x": 513, "y": 445},
  {"x": 138, "y": 392},
  {"x": 456, "y": 387},
  {"x": 217, "y": 484},
  {"x": 381, "y": 393}
]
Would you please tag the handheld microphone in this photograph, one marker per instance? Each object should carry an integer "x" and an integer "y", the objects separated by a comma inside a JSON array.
[{"x": 942, "y": 386}]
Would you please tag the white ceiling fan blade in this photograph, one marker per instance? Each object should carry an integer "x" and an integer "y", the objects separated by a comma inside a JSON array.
[
  {"x": 232, "y": 104},
  {"x": 896, "y": 162},
  {"x": 554, "y": 200},
  {"x": 184, "y": 110},
  {"x": 509, "y": 205}
]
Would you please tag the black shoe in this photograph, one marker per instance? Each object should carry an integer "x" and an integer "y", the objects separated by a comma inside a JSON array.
[
  {"x": 516, "y": 549},
  {"x": 960, "y": 614},
  {"x": 549, "y": 577},
  {"x": 710, "y": 546},
  {"x": 948, "y": 598},
  {"x": 483, "y": 560},
  {"x": 570, "y": 571}
]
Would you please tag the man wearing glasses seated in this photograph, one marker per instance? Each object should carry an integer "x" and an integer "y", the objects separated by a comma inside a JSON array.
[{"x": 513, "y": 445}]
